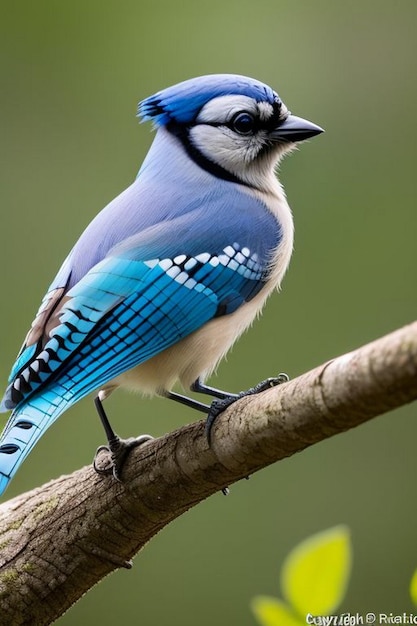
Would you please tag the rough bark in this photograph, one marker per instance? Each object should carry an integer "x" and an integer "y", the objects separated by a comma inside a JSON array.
[{"x": 59, "y": 540}]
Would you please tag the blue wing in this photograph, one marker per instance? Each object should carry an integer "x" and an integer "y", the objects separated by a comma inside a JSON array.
[{"x": 125, "y": 310}]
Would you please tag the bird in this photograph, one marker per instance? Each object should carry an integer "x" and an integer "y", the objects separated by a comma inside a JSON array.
[{"x": 169, "y": 274}]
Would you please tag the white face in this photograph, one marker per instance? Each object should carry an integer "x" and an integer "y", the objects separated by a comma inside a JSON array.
[{"x": 233, "y": 132}]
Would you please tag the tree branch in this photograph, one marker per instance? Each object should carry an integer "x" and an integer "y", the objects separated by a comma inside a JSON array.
[{"x": 59, "y": 540}]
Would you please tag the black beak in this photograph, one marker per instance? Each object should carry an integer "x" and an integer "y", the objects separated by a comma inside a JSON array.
[{"x": 294, "y": 129}]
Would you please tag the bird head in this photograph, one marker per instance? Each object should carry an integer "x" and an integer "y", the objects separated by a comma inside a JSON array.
[{"x": 236, "y": 127}]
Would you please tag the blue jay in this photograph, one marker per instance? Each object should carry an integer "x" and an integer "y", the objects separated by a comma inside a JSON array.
[{"x": 167, "y": 276}]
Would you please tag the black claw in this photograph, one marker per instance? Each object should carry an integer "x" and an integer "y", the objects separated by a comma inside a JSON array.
[
  {"x": 102, "y": 461},
  {"x": 268, "y": 383},
  {"x": 116, "y": 452},
  {"x": 218, "y": 406}
]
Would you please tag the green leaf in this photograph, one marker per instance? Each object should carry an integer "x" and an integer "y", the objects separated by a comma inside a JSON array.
[
  {"x": 315, "y": 575},
  {"x": 272, "y": 612},
  {"x": 413, "y": 588}
]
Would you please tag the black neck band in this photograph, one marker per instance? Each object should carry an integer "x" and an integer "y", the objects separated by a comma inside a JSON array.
[{"x": 182, "y": 132}]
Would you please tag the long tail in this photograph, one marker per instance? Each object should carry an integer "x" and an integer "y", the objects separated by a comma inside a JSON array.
[{"x": 26, "y": 425}]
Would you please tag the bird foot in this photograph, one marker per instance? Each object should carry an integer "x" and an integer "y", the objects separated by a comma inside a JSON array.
[
  {"x": 218, "y": 406},
  {"x": 109, "y": 460}
]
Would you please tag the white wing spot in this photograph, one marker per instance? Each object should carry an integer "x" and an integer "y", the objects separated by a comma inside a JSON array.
[
  {"x": 165, "y": 264},
  {"x": 191, "y": 283},
  {"x": 182, "y": 278},
  {"x": 173, "y": 271},
  {"x": 233, "y": 257},
  {"x": 203, "y": 258},
  {"x": 190, "y": 264},
  {"x": 152, "y": 263}
]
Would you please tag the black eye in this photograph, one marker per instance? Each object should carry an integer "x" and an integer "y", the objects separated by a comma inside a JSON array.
[{"x": 243, "y": 123}]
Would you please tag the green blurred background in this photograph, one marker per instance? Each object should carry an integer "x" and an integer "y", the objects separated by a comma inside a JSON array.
[{"x": 71, "y": 75}]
